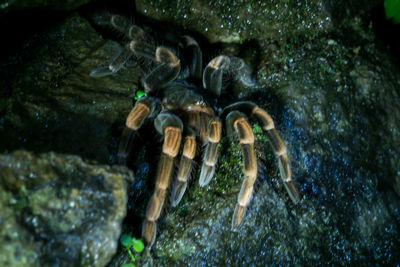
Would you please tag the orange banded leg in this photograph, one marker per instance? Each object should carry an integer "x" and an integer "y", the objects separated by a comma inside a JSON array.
[
  {"x": 171, "y": 127},
  {"x": 185, "y": 168},
  {"x": 167, "y": 70},
  {"x": 280, "y": 151},
  {"x": 211, "y": 151},
  {"x": 277, "y": 144},
  {"x": 237, "y": 121},
  {"x": 143, "y": 108}
]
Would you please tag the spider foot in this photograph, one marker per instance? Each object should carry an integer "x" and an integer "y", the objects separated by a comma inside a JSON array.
[
  {"x": 149, "y": 229},
  {"x": 210, "y": 157},
  {"x": 206, "y": 174},
  {"x": 185, "y": 168},
  {"x": 238, "y": 215}
]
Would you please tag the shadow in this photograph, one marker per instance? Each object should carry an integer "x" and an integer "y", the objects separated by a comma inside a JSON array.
[{"x": 387, "y": 31}]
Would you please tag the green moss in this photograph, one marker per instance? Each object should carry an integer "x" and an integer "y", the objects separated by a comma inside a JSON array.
[{"x": 229, "y": 171}]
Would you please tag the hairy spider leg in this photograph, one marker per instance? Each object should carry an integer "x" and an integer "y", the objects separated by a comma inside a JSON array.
[
  {"x": 212, "y": 75},
  {"x": 237, "y": 122},
  {"x": 137, "y": 35},
  {"x": 210, "y": 156},
  {"x": 143, "y": 108},
  {"x": 143, "y": 49},
  {"x": 131, "y": 32},
  {"x": 125, "y": 27},
  {"x": 280, "y": 151},
  {"x": 166, "y": 71},
  {"x": 279, "y": 148},
  {"x": 119, "y": 60},
  {"x": 170, "y": 126},
  {"x": 119, "y": 23},
  {"x": 198, "y": 118},
  {"x": 195, "y": 56},
  {"x": 185, "y": 168}
]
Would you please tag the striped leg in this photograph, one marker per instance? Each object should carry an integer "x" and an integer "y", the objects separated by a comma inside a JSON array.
[
  {"x": 143, "y": 108},
  {"x": 121, "y": 25},
  {"x": 212, "y": 75},
  {"x": 237, "y": 121},
  {"x": 280, "y": 151},
  {"x": 167, "y": 70},
  {"x": 277, "y": 144},
  {"x": 171, "y": 127},
  {"x": 210, "y": 152},
  {"x": 185, "y": 168}
]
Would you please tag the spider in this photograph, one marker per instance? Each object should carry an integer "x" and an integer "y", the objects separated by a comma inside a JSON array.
[{"x": 182, "y": 99}]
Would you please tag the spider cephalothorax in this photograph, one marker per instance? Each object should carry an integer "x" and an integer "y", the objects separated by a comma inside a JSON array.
[{"x": 185, "y": 111}]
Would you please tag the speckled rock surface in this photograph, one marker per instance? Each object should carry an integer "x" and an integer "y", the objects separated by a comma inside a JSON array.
[
  {"x": 58, "y": 210},
  {"x": 237, "y": 21}
]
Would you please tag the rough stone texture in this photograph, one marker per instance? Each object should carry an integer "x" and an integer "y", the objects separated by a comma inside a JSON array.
[
  {"x": 237, "y": 21},
  {"x": 52, "y": 104},
  {"x": 58, "y": 210}
]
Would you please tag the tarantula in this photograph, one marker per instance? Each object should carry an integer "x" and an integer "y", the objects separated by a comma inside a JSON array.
[{"x": 183, "y": 101}]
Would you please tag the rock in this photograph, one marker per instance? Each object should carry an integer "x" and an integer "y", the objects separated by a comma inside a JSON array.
[
  {"x": 52, "y": 104},
  {"x": 58, "y": 210},
  {"x": 238, "y": 21}
]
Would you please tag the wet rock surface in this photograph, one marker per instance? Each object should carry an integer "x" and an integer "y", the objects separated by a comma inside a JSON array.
[
  {"x": 59, "y": 210},
  {"x": 333, "y": 92},
  {"x": 237, "y": 21}
]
